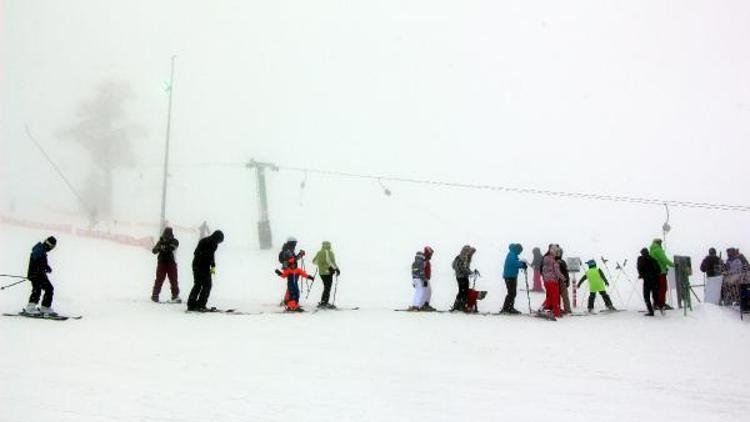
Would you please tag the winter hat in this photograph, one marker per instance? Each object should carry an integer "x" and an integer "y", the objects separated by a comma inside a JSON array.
[
  {"x": 591, "y": 263},
  {"x": 218, "y": 235},
  {"x": 644, "y": 252},
  {"x": 291, "y": 239},
  {"x": 712, "y": 251},
  {"x": 51, "y": 242},
  {"x": 428, "y": 252}
]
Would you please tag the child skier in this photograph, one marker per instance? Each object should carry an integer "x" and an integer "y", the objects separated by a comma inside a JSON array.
[
  {"x": 597, "y": 281},
  {"x": 553, "y": 278},
  {"x": 37, "y": 275},
  {"x": 510, "y": 273},
  {"x": 421, "y": 271},
  {"x": 462, "y": 267},
  {"x": 287, "y": 251},
  {"x": 292, "y": 273},
  {"x": 204, "y": 266},
  {"x": 326, "y": 262},
  {"x": 166, "y": 265},
  {"x": 536, "y": 264}
]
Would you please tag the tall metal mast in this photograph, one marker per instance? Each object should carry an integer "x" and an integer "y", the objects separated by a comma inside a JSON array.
[
  {"x": 264, "y": 224},
  {"x": 170, "y": 89}
]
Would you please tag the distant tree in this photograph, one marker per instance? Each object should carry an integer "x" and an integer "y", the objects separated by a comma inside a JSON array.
[{"x": 105, "y": 132}]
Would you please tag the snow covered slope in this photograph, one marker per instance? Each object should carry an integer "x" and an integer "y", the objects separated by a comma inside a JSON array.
[{"x": 131, "y": 360}]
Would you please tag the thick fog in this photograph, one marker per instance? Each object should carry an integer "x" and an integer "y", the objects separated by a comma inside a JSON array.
[{"x": 639, "y": 98}]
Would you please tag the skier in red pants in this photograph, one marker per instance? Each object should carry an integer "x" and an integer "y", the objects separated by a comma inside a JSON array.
[
  {"x": 166, "y": 265},
  {"x": 553, "y": 277}
]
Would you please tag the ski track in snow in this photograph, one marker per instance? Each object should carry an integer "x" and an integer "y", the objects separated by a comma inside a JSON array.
[{"x": 130, "y": 360}]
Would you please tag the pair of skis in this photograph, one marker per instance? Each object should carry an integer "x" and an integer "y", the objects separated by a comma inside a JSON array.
[{"x": 53, "y": 317}]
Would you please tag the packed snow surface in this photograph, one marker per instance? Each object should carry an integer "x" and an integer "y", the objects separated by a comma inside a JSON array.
[{"x": 132, "y": 360}]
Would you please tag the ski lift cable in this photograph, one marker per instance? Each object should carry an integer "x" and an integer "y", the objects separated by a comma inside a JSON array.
[{"x": 528, "y": 191}]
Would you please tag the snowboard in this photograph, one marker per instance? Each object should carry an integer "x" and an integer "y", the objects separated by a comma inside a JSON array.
[{"x": 57, "y": 317}]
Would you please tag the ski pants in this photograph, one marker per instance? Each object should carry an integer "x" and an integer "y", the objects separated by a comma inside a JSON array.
[
  {"x": 565, "y": 298},
  {"x": 661, "y": 293},
  {"x": 327, "y": 282},
  {"x": 537, "y": 281},
  {"x": 510, "y": 297},
  {"x": 164, "y": 270},
  {"x": 201, "y": 288},
  {"x": 605, "y": 296},
  {"x": 650, "y": 289},
  {"x": 463, "y": 293},
  {"x": 552, "y": 301},
  {"x": 293, "y": 288},
  {"x": 422, "y": 292},
  {"x": 37, "y": 285}
]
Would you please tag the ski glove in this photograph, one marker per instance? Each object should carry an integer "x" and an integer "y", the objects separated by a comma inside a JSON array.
[
  {"x": 48, "y": 269},
  {"x": 309, "y": 277},
  {"x": 476, "y": 273},
  {"x": 278, "y": 272},
  {"x": 338, "y": 272},
  {"x": 425, "y": 283},
  {"x": 213, "y": 270}
]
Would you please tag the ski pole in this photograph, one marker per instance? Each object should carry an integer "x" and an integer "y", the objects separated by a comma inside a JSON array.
[
  {"x": 13, "y": 284},
  {"x": 528, "y": 295},
  {"x": 310, "y": 286},
  {"x": 13, "y": 276},
  {"x": 335, "y": 286}
]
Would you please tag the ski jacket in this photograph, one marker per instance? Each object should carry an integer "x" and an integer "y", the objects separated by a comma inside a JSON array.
[
  {"x": 657, "y": 252},
  {"x": 292, "y": 274},
  {"x": 325, "y": 260},
  {"x": 462, "y": 263},
  {"x": 551, "y": 269},
  {"x": 564, "y": 271},
  {"x": 648, "y": 268},
  {"x": 596, "y": 280},
  {"x": 512, "y": 262},
  {"x": 418, "y": 267},
  {"x": 711, "y": 265},
  {"x": 287, "y": 251},
  {"x": 165, "y": 247},
  {"x": 536, "y": 262},
  {"x": 736, "y": 264},
  {"x": 203, "y": 257},
  {"x": 38, "y": 266}
]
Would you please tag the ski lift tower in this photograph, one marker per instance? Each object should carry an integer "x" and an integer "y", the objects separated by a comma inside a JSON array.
[{"x": 264, "y": 224}]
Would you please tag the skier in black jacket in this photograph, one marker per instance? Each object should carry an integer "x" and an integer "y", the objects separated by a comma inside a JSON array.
[
  {"x": 166, "y": 265},
  {"x": 649, "y": 271},
  {"x": 204, "y": 265},
  {"x": 712, "y": 264},
  {"x": 37, "y": 275}
]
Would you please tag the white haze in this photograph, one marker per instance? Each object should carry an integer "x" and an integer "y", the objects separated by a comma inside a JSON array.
[{"x": 640, "y": 98}]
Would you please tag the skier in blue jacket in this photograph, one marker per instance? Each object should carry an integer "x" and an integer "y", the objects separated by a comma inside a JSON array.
[{"x": 510, "y": 273}]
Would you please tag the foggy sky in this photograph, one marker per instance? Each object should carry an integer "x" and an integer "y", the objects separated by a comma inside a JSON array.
[{"x": 642, "y": 98}]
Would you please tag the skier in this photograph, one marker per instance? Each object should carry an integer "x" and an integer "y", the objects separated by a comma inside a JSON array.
[
  {"x": 536, "y": 264},
  {"x": 565, "y": 285},
  {"x": 292, "y": 273},
  {"x": 649, "y": 271},
  {"x": 326, "y": 262},
  {"x": 421, "y": 271},
  {"x": 204, "y": 266},
  {"x": 37, "y": 275},
  {"x": 553, "y": 277},
  {"x": 287, "y": 251},
  {"x": 711, "y": 264},
  {"x": 462, "y": 267},
  {"x": 597, "y": 281},
  {"x": 166, "y": 265},
  {"x": 510, "y": 273},
  {"x": 657, "y": 252}
]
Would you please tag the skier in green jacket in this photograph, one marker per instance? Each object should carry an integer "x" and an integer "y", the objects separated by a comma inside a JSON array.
[
  {"x": 326, "y": 262},
  {"x": 657, "y": 252},
  {"x": 597, "y": 281}
]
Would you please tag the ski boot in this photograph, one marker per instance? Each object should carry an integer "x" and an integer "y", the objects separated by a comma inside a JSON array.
[
  {"x": 175, "y": 299},
  {"x": 513, "y": 311},
  {"x": 31, "y": 309},
  {"x": 413, "y": 309},
  {"x": 427, "y": 308},
  {"x": 47, "y": 311},
  {"x": 155, "y": 299}
]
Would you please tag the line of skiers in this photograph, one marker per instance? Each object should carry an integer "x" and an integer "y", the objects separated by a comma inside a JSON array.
[{"x": 550, "y": 268}]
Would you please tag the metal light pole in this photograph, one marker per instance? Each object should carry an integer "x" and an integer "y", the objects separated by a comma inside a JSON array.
[
  {"x": 170, "y": 89},
  {"x": 264, "y": 223}
]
